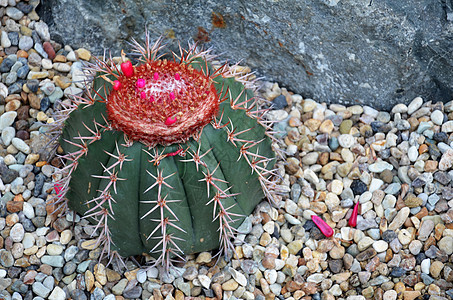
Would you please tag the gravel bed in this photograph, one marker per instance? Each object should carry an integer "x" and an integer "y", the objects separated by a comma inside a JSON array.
[{"x": 397, "y": 165}]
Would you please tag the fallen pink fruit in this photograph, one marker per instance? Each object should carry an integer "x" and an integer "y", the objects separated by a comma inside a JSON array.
[
  {"x": 57, "y": 187},
  {"x": 325, "y": 229},
  {"x": 353, "y": 220}
]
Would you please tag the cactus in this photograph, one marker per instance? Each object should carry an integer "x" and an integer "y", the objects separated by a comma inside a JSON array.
[{"x": 166, "y": 157}]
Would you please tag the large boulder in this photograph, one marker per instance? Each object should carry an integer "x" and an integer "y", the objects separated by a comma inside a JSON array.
[{"x": 377, "y": 53}]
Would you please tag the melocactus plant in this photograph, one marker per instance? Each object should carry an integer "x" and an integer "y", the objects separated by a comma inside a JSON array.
[{"x": 166, "y": 157}]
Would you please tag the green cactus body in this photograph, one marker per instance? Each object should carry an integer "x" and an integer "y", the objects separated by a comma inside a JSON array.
[{"x": 165, "y": 194}]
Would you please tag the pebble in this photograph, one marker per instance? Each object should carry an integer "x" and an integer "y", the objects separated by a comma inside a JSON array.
[
  {"x": 414, "y": 105},
  {"x": 346, "y": 140}
]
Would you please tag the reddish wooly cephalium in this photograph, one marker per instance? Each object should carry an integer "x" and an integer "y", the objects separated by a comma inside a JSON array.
[{"x": 167, "y": 156}]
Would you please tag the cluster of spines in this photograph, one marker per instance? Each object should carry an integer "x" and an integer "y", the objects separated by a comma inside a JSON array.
[{"x": 102, "y": 210}]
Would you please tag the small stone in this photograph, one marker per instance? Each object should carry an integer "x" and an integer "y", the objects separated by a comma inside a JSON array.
[
  {"x": 436, "y": 268},
  {"x": 20, "y": 145},
  {"x": 7, "y": 119},
  {"x": 390, "y": 295},
  {"x": 25, "y": 43},
  {"x": 415, "y": 247},
  {"x": 6, "y": 258},
  {"x": 230, "y": 285},
  {"x": 399, "y": 219},
  {"x": 204, "y": 258},
  {"x": 57, "y": 294},
  {"x": 380, "y": 246},
  {"x": 425, "y": 229},
  {"x": 447, "y": 160},
  {"x": 14, "y": 13},
  {"x": 446, "y": 245},
  {"x": 380, "y": 166},
  {"x": 17, "y": 232},
  {"x": 437, "y": 117},
  {"x": 83, "y": 54},
  {"x": 54, "y": 261},
  {"x": 40, "y": 290},
  {"x": 447, "y": 127},
  {"x": 326, "y": 127},
  {"x": 414, "y": 105},
  {"x": 358, "y": 187},
  {"x": 346, "y": 140}
]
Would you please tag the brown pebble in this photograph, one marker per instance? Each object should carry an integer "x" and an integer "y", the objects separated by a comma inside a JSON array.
[
  {"x": 21, "y": 124},
  {"x": 367, "y": 254},
  {"x": 268, "y": 262},
  {"x": 18, "y": 198},
  {"x": 29, "y": 277},
  {"x": 422, "y": 213},
  {"x": 312, "y": 124},
  {"x": 22, "y": 112},
  {"x": 12, "y": 219},
  {"x": 22, "y": 53},
  {"x": 49, "y": 50},
  {"x": 309, "y": 288},
  {"x": 39, "y": 164},
  {"x": 411, "y": 295},
  {"x": 217, "y": 288},
  {"x": 336, "y": 157},
  {"x": 23, "y": 135},
  {"x": 34, "y": 101},
  {"x": 323, "y": 158},
  {"x": 387, "y": 176},
  {"x": 62, "y": 82},
  {"x": 414, "y": 123},
  {"x": 373, "y": 264},
  {"x": 431, "y": 165},
  {"x": 60, "y": 58},
  {"x": 429, "y": 242},
  {"x": 399, "y": 287},
  {"x": 438, "y": 231},
  {"x": 294, "y": 122},
  {"x": 46, "y": 269},
  {"x": 423, "y": 149},
  {"x": 14, "y": 206},
  {"x": 408, "y": 223},
  {"x": 388, "y": 255},
  {"x": 292, "y": 286}
]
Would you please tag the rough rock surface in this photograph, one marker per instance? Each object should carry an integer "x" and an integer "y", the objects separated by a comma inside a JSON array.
[{"x": 370, "y": 52}]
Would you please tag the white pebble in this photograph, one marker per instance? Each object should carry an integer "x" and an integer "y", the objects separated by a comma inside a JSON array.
[
  {"x": 447, "y": 127},
  {"x": 380, "y": 246},
  {"x": 412, "y": 153},
  {"x": 370, "y": 111},
  {"x": 7, "y": 119},
  {"x": 425, "y": 265},
  {"x": 414, "y": 105},
  {"x": 9, "y": 160},
  {"x": 28, "y": 210},
  {"x": 8, "y": 134},
  {"x": 437, "y": 117},
  {"x": 21, "y": 145},
  {"x": 375, "y": 185},
  {"x": 346, "y": 140}
]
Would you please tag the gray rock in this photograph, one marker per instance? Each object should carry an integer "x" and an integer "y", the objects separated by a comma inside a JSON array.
[
  {"x": 40, "y": 290},
  {"x": 4, "y": 283},
  {"x": 25, "y": 43},
  {"x": 14, "y": 13},
  {"x": 373, "y": 52},
  {"x": 43, "y": 31},
  {"x": 53, "y": 260}
]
